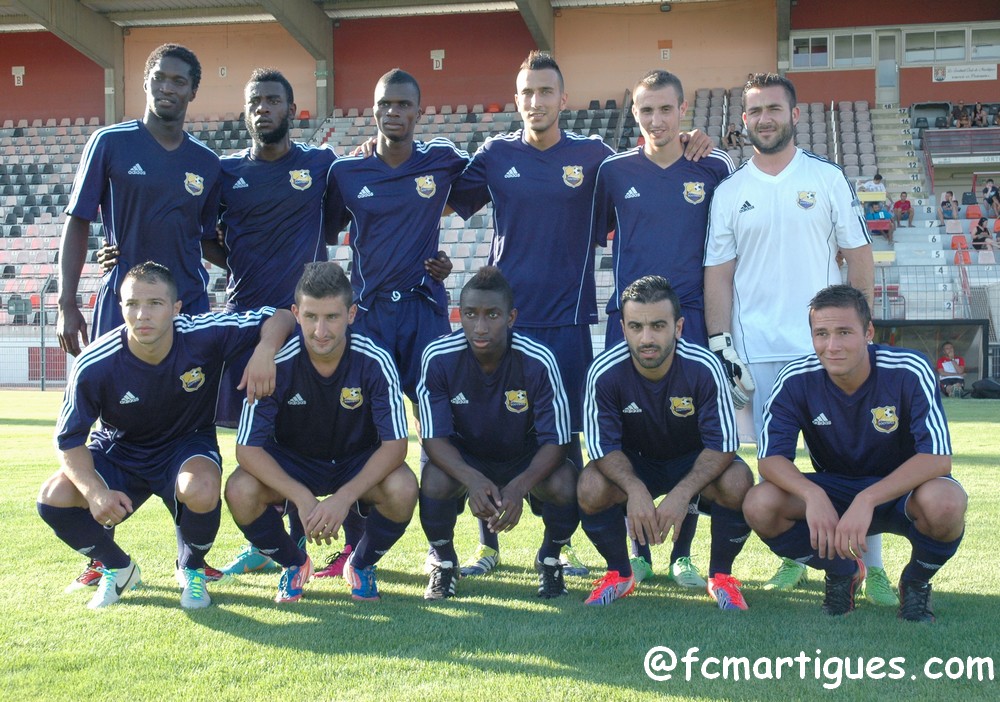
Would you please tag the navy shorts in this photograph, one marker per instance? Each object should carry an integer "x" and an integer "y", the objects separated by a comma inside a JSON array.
[
  {"x": 574, "y": 352},
  {"x": 890, "y": 517},
  {"x": 321, "y": 477},
  {"x": 159, "y": 479},
  {"x": 694, "y": 328},
  {"x": 501, "y": 473},
  {"x": 660, "y": 477},
  {"x": 405, "y": 327}
]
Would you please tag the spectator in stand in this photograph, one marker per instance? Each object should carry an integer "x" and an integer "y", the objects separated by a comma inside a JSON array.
[
  {"x": 734, "y": 137},
  {"x": 960, "y": 115},
  {"x": 951, "y": 371},
  {"x": 992, "y": 198},
  {"x": 901, "y": 210},
  {"x": 875, "y": 185},
  {"x": 876, "y": 213},
  {"x": 948, "y": 208},
  {"x": 982, "y": 240},
  {"x": 980, "y": 118}
]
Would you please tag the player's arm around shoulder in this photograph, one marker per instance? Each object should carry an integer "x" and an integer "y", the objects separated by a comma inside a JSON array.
[{"x": 260, "y": 372}]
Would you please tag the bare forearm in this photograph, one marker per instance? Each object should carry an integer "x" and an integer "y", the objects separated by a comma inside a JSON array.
[
  {"x": 387, "y": 458},
  {"x": 72, "y": 256},
  {"x": 861, "y": 270},
  {"x": 276, "y": 330},
  {"x": 78, "y": 465},
  {"x": 914, "y": 472},
  {"x": 543, "y": 464},
  {"x": 213, "y": 252},
  {"x": 783, "y": 473},
  {"x": 258, "y": 462},
  {"x": 719, "y": 297},
  {"x": 617, "y": 468},
  {"x": 443, "y": 454},
  {"x": 707, "y": 467}
]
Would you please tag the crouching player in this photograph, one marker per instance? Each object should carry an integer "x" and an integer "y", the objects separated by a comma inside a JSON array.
[
  {"x": 334, "y": 426},
  {"x": 872, "y": 421},
  {"x": 153, "y": 383},
  {"x": 495, "y": 423},
  {"x": 659, "y": 420}
]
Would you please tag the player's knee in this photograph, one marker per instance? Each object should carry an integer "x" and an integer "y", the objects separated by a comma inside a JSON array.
[
  {"x": 733, "y": 485},
  {"x": 242, "y": 488},
  {"x": 59, "y": 491},
  {"x": 938, "y": 508},
  {"x": 760, "y": 508},
  {"x": 591, "y": 490},
  {"x": 436, "y": 484},
  {"x": 560, "y": 487},
  {"x": 399, "y": 493}
]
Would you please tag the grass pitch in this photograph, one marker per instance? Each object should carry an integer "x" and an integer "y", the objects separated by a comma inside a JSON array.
[{"x": 496, "y": 640}]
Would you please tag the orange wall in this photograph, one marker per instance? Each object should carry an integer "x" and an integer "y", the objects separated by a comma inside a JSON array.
[
  {"x": 915, "y": 85},
  {"x": 238, "y": 47},
  {"x": 604, "y": 50},
  {"x": 823, "y": 86},
  {"x": 824, "y": 14},
  {"x": 59, "y": 81},
  {"x": 475, "y": 69}
]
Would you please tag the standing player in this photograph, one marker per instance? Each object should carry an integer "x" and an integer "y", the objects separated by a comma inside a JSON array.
[
  {"x": 776, "y": 226},
  {"x": 157, "y": 190},
  {"x": 152, "y": 383},
  {"x": 540, "y": 180},
  {"x": 336, "y": 425},
  {"x": 660, "y": 422},
  {"x": 876, "y": 432},
  {"x": 394, "y": 200},
  {"x": 495, "y": 425}
]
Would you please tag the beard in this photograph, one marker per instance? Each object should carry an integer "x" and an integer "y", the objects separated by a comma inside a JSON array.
[
  {"x": 782, "y": 138},
  {"x": 274, "y": 136}
]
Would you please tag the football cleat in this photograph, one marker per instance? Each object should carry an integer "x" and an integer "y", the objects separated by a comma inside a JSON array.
[
  {"x": 482, "y": 562},
  {"x": 293, "y": 579},
  {"x": 90, "y": 577},
  {"x": 725, "y": 590},
  {"x": 641, "y": 569},
  {"x": 212, "y": 575},
  {"x": 842, "y": 590},
  {"x": 334, "y": 567},
  {"x": 194, "y": 595},
  {"x": 571, "y": 564},
  {"x": 443, "y": 581},
  {"x": 114, "y": 583},
  {"x": 790, "y": 575},
  {"x": 878, "y": 590},
  {"x": 550, "y": 578},
  {"x": 915, "y": 597},
  {"x": 610, "y": 588},
  {"x": 362, "y": 582},
  {"x": 250, "y": 560},
  {"x": 683, "y": 572}
]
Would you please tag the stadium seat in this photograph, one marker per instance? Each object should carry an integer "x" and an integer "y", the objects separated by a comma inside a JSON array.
[
  {"x": 941, "y": 123},
  {"x": 986, "y": 257},
  {"x": 952, "y": 226},
  {"x": 973, "y": 212},
  {"x": 959, "y": 242},
  {"x": 968, "y": 198},
  {"x": 962, "y": 257}
]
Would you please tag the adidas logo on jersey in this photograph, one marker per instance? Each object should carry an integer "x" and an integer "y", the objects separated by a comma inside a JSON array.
[
  {"x": 240, "y": 184},
  {"x": 136, "y": 170},
  {"x": 297, "y": 400},
  {"x": 512, "y": 173},
  {"x": 127, "y": 399},
  {"x": 632, "y": 409},
  {"x": 365, "y": 192},
  {"x": 822, "y": 421},
  {"x": 746, "y": 207},
  {"x": 459, "y": 399},
  {"x": 632, "y": 192}
]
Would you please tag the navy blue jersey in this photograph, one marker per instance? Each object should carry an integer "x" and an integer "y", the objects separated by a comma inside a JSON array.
[
  {"x": 395, "y": 216},
  {"x": 660, "y": 218},
  {"x": 330, "y": 419},
  {"x": 144, "y": 409},
  {"x": 495, "y": 417},
  {"x": 156, "y": 205},
  {"x": 272, "y": 214},
  {"x": 894, "y": 415},
  {"x": 689, "y": 409},
  {"x": 541, "y": 221}
]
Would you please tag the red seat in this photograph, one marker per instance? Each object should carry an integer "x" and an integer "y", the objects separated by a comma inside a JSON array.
[
  {"x": 973, "y": 212},
  {"x": 456, "y": 315},
  {"x": 959, "y": 242},
  {"x": 878, "y": 225}
]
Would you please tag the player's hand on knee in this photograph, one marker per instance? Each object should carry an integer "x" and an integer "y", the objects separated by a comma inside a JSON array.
[
  {"x": 322, "y": 525},
  {"x": 485, "y": 499},
  {"x": 852, "y": 530},
  {"x": 643, "y": 525},
  {"x": 109, "y": 507},
  {"x": 822, "y": 519},
  {"x": 670, "y": 514},
  {"x": 740, "y": 381},
  {"x": 511, "y": 508}
]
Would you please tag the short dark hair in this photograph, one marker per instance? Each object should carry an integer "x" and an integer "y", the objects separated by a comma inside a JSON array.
[
  {"x": 877, "y": 176},
  {"x": 758, "y": 81},
  {"x": 650, "y": 289},
  {"x": 656, "y": 79},
  {"x": 324, "y": 279},
  {"x": 272, "y": 75},
  {"x": 397, "y": 76},
  {"x": 178, "y": 52},
  {"x": 843, "y": 297},
  {"x": 490, "y": 279},
  {"x": 153, "y": 272},
  {"x": 541, "y": 61}
]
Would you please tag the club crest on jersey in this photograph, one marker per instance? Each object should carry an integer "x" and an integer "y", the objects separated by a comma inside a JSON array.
[
  {"x": 516, "y": 401},
  {"x": 193, "y": 379},
  {"x": 351, "y": 398},
  {"x": 426, "y": 187},
  {"x": 681, "y": 406},
  {"x": 194, "y": 183},
  {"x": 694, "y": 193},
  {"x": 300, "y": 180},
  {"x": 806, "y": 199},
  {"x": 573, "y": 176},
  {"x": 885, "y": 419}
]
